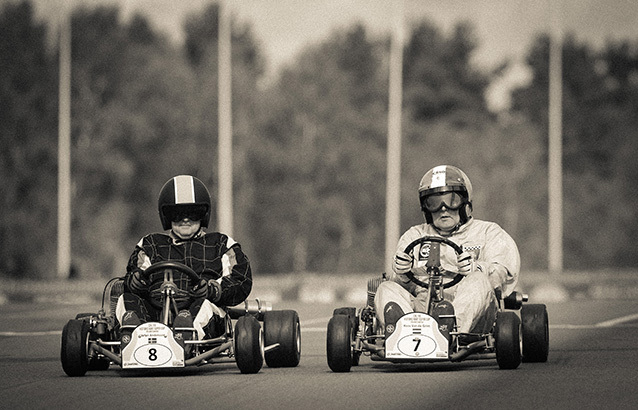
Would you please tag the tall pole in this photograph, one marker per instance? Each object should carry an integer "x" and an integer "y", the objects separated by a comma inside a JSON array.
[
  {"x": 225, "y": 147},
  {"x": 393, "y": 174},
  {"x": 64, "y": 147},
  {"x": 555, "y": 166}
]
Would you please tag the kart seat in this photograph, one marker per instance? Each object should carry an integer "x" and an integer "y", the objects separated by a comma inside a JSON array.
[{"x": 114, "y": 289}]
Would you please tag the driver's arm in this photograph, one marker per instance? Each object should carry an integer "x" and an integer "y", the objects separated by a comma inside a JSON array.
[
  {"x": 500, "y": 259},
  {"x": 403, "y": 262},
  {"x": 134, "y": 281},
  {"x": 236, "y": 275}
]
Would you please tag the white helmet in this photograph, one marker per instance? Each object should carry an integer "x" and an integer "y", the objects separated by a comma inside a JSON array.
[{"x": 443, "y": 179}]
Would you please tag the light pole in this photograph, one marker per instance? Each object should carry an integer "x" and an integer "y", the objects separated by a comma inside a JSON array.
[
  {"x": 555, "y": 165},
  {"x": 393, "y": 174},
  {"x": 225, "y": 146},
  {"x": 64, "y": 147}
]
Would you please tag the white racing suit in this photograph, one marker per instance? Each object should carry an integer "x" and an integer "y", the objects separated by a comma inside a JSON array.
[{"x": 496, "y": 264}]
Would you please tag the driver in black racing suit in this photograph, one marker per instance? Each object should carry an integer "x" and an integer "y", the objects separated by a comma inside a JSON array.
[{"x": 225, "y": 275}]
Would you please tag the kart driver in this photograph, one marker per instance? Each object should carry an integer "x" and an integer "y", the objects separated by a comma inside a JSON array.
[
  {"x": 490, "y": 258},
  {"x": 226, "y": 279}
]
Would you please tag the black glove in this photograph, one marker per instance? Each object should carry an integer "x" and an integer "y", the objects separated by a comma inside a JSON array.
[
  {"x": 200, "y": 290},
  {"x": 214, "y": 291},
  {"x": 135, "y": 282}
]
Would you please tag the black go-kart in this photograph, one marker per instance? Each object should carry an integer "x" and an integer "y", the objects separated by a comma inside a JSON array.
[
  {"x": 94, "y": 341},
  {"x": 520, "y": 332}
]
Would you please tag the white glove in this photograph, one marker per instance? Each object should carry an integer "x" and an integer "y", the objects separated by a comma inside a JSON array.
[
  {"x": 402, "y": 262},
  {"x": 465, "y": 263}
]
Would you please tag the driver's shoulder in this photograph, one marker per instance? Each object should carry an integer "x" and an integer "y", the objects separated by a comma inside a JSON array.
[
  {"x": 420, "y": 230},
  {"x": 156, "y": 238},
  {"x": 481, "y": 225}
]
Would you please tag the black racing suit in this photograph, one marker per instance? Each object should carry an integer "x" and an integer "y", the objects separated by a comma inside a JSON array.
[{"x": 211, "y": 255}]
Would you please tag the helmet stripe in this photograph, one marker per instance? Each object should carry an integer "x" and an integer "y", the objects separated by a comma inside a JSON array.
[{"x": 184, "y": 189}]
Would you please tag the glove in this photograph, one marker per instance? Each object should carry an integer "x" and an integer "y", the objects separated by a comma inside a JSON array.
[
  {"x": 214, "y": 291},
  {"x": 464, "y": 262},
  {"x": 200, "y": 290},
  {"x": 135, "y": 282},
  {"x": 402, "y": 262}
]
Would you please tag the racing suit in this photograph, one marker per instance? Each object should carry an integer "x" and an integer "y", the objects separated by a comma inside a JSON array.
[
  {"x": 214, "y": 256},
  {"x": 496, "y": 264}
]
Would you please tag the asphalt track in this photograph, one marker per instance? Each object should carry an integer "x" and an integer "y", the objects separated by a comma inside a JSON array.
[{"x": 592, "y": 365}]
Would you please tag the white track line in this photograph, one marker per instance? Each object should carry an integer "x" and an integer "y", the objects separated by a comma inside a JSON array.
[
  {"x": 45, "y": 333},
  {"x": 618, "y": 321},
  {"x": 606, "y": 324}
]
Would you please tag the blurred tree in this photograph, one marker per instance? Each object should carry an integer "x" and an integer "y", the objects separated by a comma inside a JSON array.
[
  {"x": 309, "y": 149},
  {"x": 28, "y": 162},
  {"x": 600, "y": 140},
  {"x": 447, "y": 121},
  {"x": 131, "y": 132},
  {"x": 248, "y": 68},
  {"x": 438, "y": 77},
  {"x": 319, "y": 164}
]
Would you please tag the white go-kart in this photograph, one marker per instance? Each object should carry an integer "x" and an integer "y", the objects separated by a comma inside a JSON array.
[
  {"x": 520, "y": 332},
  {"x": 94, "y": 341}
]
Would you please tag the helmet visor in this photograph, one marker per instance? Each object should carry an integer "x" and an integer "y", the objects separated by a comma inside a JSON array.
[
  {"x": 192, "y": 212},
  {"x": 435, "y": 202}
]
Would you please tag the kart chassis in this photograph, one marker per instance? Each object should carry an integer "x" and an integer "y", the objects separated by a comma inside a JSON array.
[
  {"x": 94, "y": 341},
  {"x": 520, "y": 332}
]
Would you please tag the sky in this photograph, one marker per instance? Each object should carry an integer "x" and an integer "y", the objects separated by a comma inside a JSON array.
[{"x": 505, "y": 28}]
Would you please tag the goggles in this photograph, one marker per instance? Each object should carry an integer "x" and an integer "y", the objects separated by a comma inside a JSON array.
[
  {"x": 450, "y": 200},
  {"x": 194, "y": 213}
]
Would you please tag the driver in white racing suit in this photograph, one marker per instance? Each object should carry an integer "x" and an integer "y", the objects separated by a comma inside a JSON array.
[{"x": 490, "y": 258}]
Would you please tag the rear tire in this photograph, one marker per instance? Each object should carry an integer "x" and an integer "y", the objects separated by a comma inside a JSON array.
[
  {"x": 249, "y": 345},
  {"x": 535, "y": 329},
  {"x": 74, "y": 348},
  {"x": 282, "y": 326},
  {"x": 508, "y": 340},
  {"x": 339, "y": 344}
]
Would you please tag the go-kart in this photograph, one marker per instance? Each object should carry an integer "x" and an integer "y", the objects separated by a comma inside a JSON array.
[
  {"x": 93, "y": 341},
  {"x": 520, "y": 332}
]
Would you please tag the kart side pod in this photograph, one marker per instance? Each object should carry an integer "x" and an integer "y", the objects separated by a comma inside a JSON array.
[
  {"x": 254, "y": 307},
  {"x": 515, "y": 300}
]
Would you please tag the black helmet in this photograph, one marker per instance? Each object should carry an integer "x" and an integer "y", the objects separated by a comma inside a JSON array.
[
  {"x": 183, "y": 194},
  {"x": 442, "y": 179}
]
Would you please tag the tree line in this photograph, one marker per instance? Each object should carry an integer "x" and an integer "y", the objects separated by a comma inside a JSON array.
[{"x": 309, "y": 146}]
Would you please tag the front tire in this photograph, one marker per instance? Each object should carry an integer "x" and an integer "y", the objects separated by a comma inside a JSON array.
[
  {"x": 535, "y": 329},
  {"x": 282, "y": 326},
  {"x": 339, "y": 344},
  {"x": 351, "y": 312},
  {"x": 508, "y": 340},
  {"x": 74, "y": 348},
  {"x": 249, "y": 345}
]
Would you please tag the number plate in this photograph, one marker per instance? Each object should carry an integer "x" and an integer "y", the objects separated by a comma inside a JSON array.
[
  {"x": 417, "y": 336},
  {"x": 152, "y": 345}
]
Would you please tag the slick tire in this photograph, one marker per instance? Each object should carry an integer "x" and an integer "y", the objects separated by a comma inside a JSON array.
[
  {"x": 249, "y": 345},
  {"x": 282, "y": 327},
  {"x": 74, "y": 348}
]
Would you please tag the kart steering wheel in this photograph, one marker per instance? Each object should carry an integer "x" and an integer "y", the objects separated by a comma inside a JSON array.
[
  {"x": 171, "y": 265},
  {"x": 437, "y": 262},
  {"x": 180, "y": 267}
]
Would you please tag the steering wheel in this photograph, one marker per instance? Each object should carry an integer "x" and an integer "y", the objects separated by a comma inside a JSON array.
[
  {"x": 169, "y": 265},
  {"x": 180, "y": 267},
  {"x": 436, "y": 262}
]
